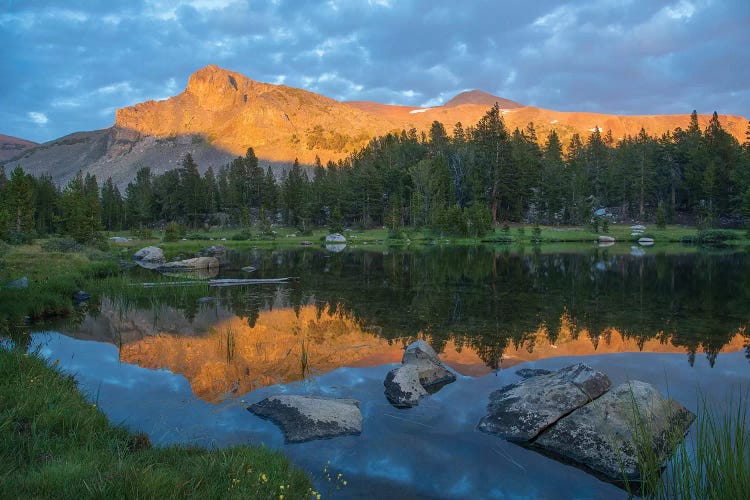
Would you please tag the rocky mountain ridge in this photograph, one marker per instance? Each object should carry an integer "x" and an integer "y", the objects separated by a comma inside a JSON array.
[{"x": 221, "y": 113}]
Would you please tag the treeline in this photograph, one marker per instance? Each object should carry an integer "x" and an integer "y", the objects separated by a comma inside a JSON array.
[{"x": 460, "y": 183}]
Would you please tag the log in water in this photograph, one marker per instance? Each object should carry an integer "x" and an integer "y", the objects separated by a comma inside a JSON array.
[{"x": 219, "y": 282}]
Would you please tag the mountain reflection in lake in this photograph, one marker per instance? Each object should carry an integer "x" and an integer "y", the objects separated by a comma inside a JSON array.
[{"x": 339, "y": 329}]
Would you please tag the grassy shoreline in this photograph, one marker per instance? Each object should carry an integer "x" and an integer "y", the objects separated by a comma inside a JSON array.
[{"x": 54, "y": 443}]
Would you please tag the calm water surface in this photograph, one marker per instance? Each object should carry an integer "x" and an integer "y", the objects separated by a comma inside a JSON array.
[{"x": 172, "y": 364}]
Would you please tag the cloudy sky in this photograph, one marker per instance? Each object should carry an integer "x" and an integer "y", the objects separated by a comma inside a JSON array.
[{"x": 66, "y": 66}]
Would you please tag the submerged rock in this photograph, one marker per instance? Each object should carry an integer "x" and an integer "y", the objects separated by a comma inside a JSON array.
[
  {"x": 603, "y": 435},
  {"x": 525, "y": 373},
  {"x": 190, "y": 264},
  {"x": 520, "y": 411},
  {"x": 249, "y": 269},
  {"x": 215, "y": 251},
  {"x": 80, "y": 296},
  {"x": 420, "y": 373},
  {"x": 304, "y": 418}
]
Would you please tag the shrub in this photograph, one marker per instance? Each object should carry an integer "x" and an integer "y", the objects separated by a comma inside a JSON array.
[
  {"x": 241, "y": 236},
  {"x": 715, "y": 237},
  {"x": 171, "y": 232}
]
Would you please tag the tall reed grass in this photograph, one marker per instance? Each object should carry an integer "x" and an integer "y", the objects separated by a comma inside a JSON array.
[{"x": 712, "y": 462}]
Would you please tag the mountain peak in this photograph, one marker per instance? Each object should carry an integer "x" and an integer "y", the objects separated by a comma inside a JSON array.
[
  {"x": 482, "y": 98},
  {"x": 218, "y": 88}
]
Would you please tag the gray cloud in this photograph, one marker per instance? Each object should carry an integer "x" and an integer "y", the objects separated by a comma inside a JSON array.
[{"x": 68, "y": 68}]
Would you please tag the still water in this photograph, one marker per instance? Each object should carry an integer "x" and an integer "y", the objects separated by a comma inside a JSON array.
[{"x": 182, "y": 368}]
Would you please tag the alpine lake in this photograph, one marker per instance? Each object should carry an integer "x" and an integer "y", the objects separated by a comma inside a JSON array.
[{"x": 182, "y": 364}]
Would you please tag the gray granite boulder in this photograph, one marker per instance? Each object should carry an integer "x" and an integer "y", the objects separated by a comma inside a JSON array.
[
  {"x": 335, "y": 238},
  {"x": 420, "y": 373},
  {"x": 520, "y": 411},
  {"x": 305, "y": 418},
  {"x": 149, "y": 257},
  {"x": 215, "y": 251},
  {"x": 606, "y": 239},
  {"x": 603, "y": 434}
]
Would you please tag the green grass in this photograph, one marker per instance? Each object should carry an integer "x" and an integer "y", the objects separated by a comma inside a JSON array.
[
  {"x": 713, "y": 462},
  {"x": 56, "y": 444},
  {"x": 53, "y": 279},
  {"x": 518, "y": 234},
  {"x": 716, "y": 463}
]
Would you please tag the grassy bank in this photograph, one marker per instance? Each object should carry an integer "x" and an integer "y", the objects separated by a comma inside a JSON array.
[
  {"x": 516, "y": 234},
  {"x": 56, "y": 444},
  {"x": 54, "y": 276}
]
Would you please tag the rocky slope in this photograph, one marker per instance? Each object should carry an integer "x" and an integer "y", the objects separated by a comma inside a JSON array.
[
  {"x": 13, "y": 146},
  {"x": 221, "y": 113}
]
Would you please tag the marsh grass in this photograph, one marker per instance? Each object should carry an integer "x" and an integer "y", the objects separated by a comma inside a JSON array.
[
  {"x": 228, "y": 344},
  {"x": 56, "y": 444},
  {"x": 713, "y": 462},
  {"x": 53, "y": 279}
]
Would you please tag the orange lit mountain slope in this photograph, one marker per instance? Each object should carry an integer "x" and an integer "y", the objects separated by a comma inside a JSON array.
[{"x": 221, "y": 113}]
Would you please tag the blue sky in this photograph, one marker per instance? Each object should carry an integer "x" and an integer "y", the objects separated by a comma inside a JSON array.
[{"x": 67, "y": 66}]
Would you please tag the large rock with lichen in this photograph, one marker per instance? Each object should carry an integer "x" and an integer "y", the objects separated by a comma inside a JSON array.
[
  {"x": 520, "y": 411},
  {"x": 605, "y": 435}
]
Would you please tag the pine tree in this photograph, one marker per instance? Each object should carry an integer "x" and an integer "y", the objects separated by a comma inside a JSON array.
[
  {"x": 113, "y": 206},
  {"x": 47, "y": 201},
  {"x": 192, "y": 192},
  {"x": 140, "y": 200},
  {"x": 552, "y": 181},
  {"x": 81, "y": 212},
  {"x": 492, "y": 174},
  {"x": 20, "y": 206}
]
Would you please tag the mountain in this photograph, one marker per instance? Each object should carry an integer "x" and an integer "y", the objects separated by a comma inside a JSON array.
[
  {"x": 221, "y": 113},
  {"x": 482, "y": 98},
  {"x": 12, "y": 146}
]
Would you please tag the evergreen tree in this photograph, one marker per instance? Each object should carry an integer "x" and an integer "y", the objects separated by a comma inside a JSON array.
[
  {"x": 211, "y": 188},
  {"x": 269, "y": 194},
  {"x": 81, "y": 212},
  {"x": 552, "y": 180},
  {"x": 140, "y": 200},
  {"x": 20, "y": 206},
  {"x": 46, "y": 200},
  {"x": 113, "y": 206},
  {"x": 492, "y": 172},
  {"x": 192, "y": 192}
]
